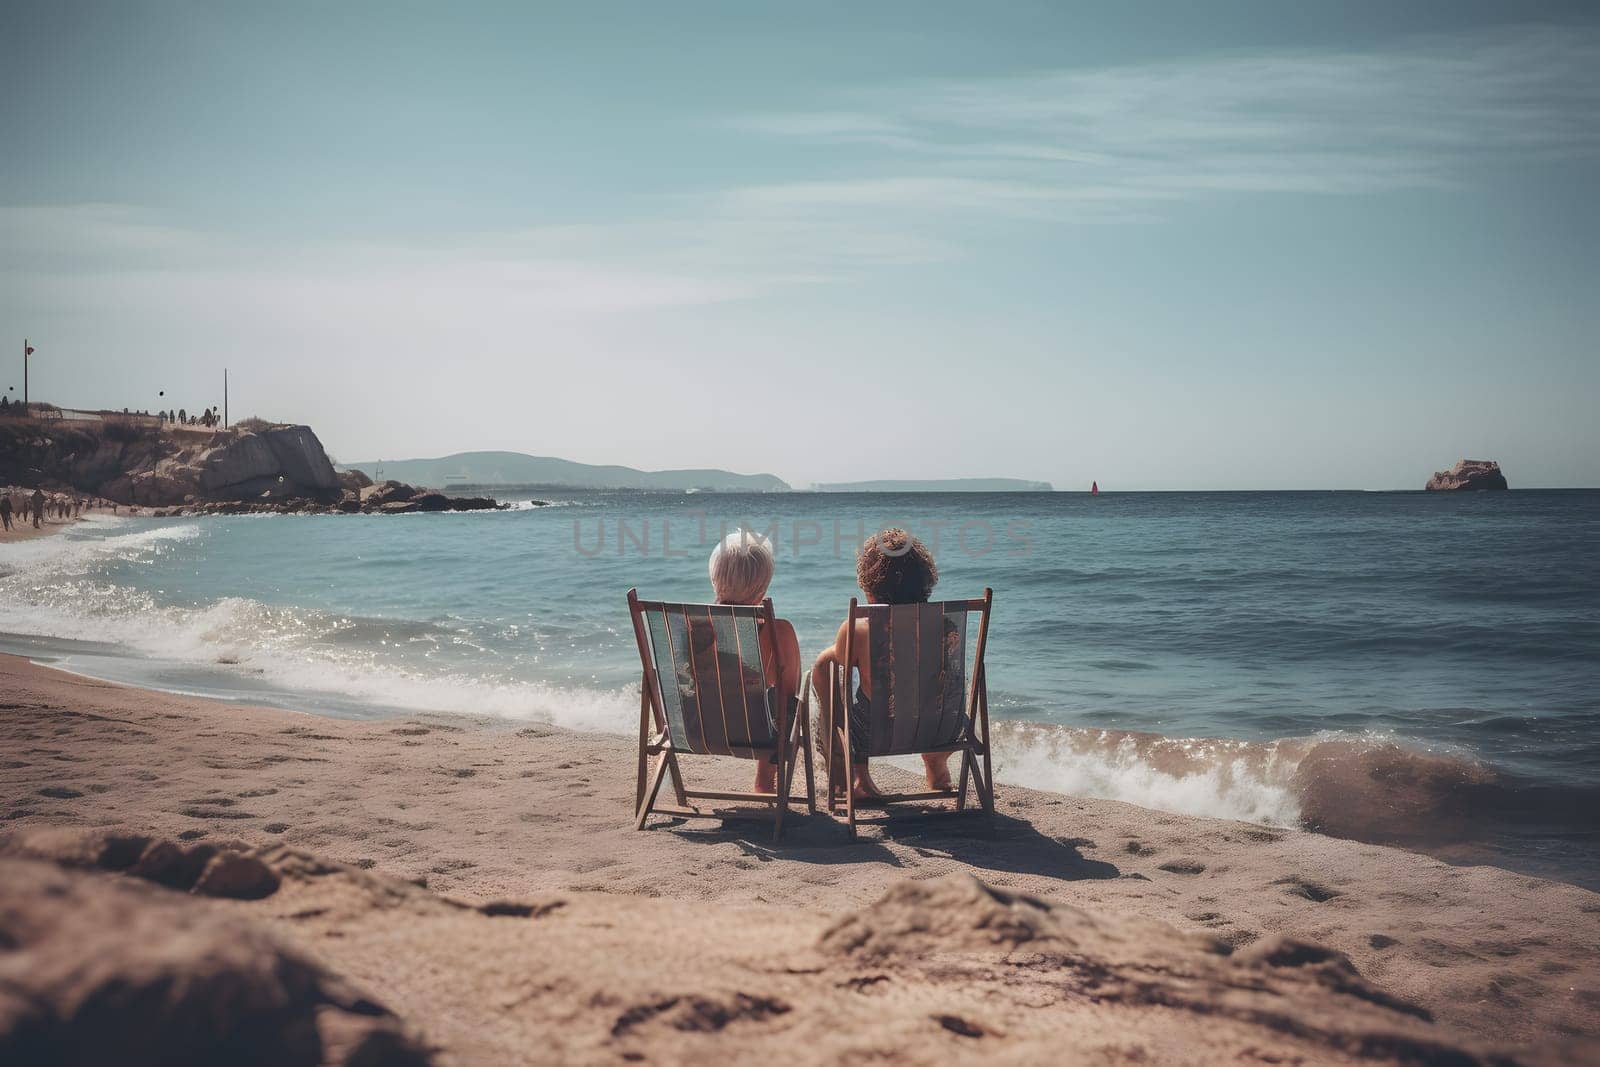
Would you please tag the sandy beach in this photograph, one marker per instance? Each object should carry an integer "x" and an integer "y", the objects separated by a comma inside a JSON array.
[
  {"x": 24, "y": 530},
  {"x": 481, "y": 881}
]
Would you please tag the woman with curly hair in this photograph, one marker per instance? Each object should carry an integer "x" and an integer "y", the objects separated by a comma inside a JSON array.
[{"x": 892, "y": 567}]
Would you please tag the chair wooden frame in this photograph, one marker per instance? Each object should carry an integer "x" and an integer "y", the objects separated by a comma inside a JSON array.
[
  {"x": 792, "y": 735},
  {"x": 973, "y": 742}
]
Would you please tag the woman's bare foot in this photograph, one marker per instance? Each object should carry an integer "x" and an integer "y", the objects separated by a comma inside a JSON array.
[
  {"x": 938, "y": 768},
  {"x": 862, "y": 785},
  {"x": 766, "y": 777}
]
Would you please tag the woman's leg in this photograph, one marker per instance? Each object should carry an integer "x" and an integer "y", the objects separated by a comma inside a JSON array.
[
  {"x": 820, "y": 674},
  {"x": 766, "y": 776},
  {"x": 766, "y": 769},
  {"x": 861, "y": 782},
  {"x": 938, "y": 769}
]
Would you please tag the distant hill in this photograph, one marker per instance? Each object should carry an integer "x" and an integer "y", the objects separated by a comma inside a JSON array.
[
  {"x": 516, "y": 468},
  {"x": 939, "y": 485}
]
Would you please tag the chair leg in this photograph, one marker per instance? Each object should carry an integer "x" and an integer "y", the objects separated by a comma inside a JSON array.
[
  {"x": 961, "y": 791},
  {"x": 644, "y": 748},
  {"x": 677, "y": 778},
  {"x": 785, "y": 771},
  {"x": 831, "y": 761},
  {"x": 849, "y": 786},
  {"x": 839, "y": 676},
  {"x": 797, "y": 737},
  {"x": 805, "y": 741},
  {"x": 785, "y": 766},
  {"x": 987, "y": 793},
  {"x": 655, "y": 788},
  {"x": 978, "y": 785}
]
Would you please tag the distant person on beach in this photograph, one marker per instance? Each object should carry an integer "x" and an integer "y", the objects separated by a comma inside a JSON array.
[
  {"x": 5, "y": 510},
  {"x": 892, "y": 567},
  {"x": 38, "y": 507},
  {"x": 741, "y": 569}
]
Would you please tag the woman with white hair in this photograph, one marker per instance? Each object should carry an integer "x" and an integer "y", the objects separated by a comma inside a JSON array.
[{"x": 741, "y": 569}]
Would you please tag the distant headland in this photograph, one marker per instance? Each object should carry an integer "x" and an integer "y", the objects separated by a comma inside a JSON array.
[{"x": 491, "y": 469}]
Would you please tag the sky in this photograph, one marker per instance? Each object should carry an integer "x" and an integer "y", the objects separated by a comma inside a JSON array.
[{"x": 1161, "y": 246}]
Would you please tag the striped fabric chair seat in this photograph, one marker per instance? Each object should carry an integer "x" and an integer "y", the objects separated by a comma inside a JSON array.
[
  {"x": 704, "y": 692},
  {"x": 925, "y": 693}
]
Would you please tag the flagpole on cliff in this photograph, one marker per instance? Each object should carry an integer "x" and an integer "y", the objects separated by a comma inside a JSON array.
[
  {"x": 27, "y": 350},
  {"x": 224, "y": 398}
]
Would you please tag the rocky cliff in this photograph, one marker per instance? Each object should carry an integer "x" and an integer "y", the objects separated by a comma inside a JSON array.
[
  {"x": 1469, "y": 474},
  {"x": 161, "y": 467}
]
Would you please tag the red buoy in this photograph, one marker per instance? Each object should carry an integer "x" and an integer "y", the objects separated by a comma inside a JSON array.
[{"x": 1094, "y": 488}]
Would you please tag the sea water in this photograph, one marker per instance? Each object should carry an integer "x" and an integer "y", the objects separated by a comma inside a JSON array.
[{"x": 1406, "y": 668}]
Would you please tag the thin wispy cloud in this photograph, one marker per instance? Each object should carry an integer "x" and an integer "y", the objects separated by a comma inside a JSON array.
[
  {"x": 714, "y": 253},
  {"x": 1426, "y": 114}
]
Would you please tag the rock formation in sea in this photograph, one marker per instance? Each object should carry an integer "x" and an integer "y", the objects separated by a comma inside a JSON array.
[{"x": 1469, "y": 474}]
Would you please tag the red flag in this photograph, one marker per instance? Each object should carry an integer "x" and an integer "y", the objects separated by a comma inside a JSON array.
[{"x": 27, "y": 350}]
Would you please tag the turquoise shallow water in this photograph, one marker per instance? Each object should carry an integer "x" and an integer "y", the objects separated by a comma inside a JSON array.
[{"x": 1408, "y": 667}]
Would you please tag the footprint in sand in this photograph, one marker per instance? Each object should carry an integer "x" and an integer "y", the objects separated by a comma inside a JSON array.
[
  {"x": 957, "y": 1025},
  {"x": 1183, "y": 867},
  {"x": 214, "y": 808},
  {"x": 1311, "y": 891},
  {"x": 213, "y": 813},
  {"x": 60, "y": 792},
  {"x": 411, "y": 731}
]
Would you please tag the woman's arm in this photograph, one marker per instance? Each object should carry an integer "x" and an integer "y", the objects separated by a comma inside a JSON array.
[{"x": 789, "y": 655}]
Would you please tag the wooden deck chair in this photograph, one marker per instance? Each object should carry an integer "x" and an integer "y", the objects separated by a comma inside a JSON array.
[
  {"x": 927, "y": 693},
  {"x": 704, "y": 692}
]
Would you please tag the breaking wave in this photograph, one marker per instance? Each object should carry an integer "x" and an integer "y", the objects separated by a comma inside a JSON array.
[
  {"x": 1367, "y": 787},
  {"x": 55, "y": 589}
]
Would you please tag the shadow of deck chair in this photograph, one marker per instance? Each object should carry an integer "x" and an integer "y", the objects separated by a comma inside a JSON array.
[
  {"x": 926, "y": 693},
  {"x": 704, "y": 692}
]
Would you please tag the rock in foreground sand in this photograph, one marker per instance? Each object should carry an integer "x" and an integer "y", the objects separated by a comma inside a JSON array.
[{"x": 97, "y": 968}]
